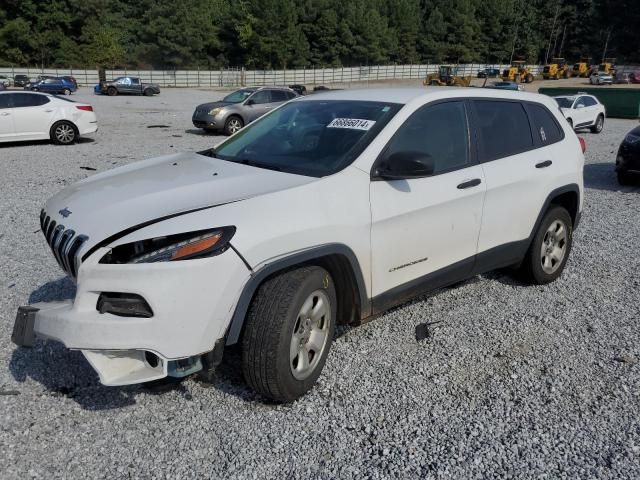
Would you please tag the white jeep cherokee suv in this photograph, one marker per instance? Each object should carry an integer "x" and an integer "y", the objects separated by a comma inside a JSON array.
[{"x": 331, "y": 209}]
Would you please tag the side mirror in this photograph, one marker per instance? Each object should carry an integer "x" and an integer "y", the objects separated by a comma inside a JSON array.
[
  {"x": 405, "y": 165},
  {"x": 250, "y": 102}
]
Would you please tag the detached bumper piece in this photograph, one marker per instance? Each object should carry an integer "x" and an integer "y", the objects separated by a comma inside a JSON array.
[{"x": 23, "y": 329}]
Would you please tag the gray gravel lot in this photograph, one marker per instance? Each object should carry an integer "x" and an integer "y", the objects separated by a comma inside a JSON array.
[{"x": 514, "y": 382}]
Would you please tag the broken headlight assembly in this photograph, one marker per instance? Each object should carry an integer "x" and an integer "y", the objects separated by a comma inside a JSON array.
[{"x": 171, "y": 248}]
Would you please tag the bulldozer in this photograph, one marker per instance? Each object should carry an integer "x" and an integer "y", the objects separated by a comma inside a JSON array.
[
  {"x": 556, "y": 69},
  {"x": 608, "y": 66},
  {"x": 582, "y": 68},
  {"x": 447, "y": 76},
  {"x": 517, "y": 72}
]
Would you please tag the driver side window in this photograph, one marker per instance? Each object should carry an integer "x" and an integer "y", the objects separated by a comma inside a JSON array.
[
  {"x": 263, "y": 96},
  {"x": 437, "y": 132}
]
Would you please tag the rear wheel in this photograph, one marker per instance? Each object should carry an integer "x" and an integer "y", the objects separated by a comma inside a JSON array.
[
  {"x": 112, "y": 92},
  {"x": 288, "y": 333},
  {"x": 233, "y": 124},
  {"x": 550, "y": 248},
  {"x": 599, "y": 125},
  {"x": 63, "y": 133}
]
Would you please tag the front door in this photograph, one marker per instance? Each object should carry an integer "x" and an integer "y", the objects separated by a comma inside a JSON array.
[
  {"x": 258, "y": 104},
  {"x": 425, "y": 230}
]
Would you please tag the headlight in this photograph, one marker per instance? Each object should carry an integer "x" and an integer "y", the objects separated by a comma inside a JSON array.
[
  {"x": 183, "y": 246},
  {"x": 631, "y": 138},
  {"x": 215, "y": 111}
]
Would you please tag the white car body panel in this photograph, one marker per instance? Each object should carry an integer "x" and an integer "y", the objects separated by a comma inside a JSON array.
[
  {"x": 35, "y": 122},
  {"x": 398, "y": 231}
]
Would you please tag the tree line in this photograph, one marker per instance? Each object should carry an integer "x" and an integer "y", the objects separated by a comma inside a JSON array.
[{"x": 277, "y": 34}]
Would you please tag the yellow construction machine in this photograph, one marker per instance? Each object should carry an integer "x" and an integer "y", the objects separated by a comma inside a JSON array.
[
  {"x": 556, "y": 69},
  {"x": 447, "y": 76},
  {"x": 517, "y": 72},
  {"x": 582, "y": 68},
  {"x": 608, "y": 66}
]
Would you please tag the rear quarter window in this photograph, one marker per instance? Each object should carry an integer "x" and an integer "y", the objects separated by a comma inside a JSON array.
[
  {"x": 545, "y": 127},
  {"x": 503, "y": 127}
]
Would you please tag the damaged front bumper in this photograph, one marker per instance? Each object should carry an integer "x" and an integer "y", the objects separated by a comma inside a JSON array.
[{"x": 191, "y": 308}]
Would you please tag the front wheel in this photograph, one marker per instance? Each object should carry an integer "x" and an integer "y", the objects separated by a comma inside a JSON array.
[
  {"x": 288, "y": 333},
  {"x": 66, "y": 91},
  {"x": 112, "y": 92},
  {"x": 63, "y": 133},
  {"x": 148, "y": 92},
  {"x": 233, "y": 124},
  {"x": 599, "y": 125},
  {"x": 550, "y": 248}
]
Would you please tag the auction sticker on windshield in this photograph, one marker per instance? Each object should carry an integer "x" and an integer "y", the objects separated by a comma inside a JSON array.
[{"x": 353, "y": 123}]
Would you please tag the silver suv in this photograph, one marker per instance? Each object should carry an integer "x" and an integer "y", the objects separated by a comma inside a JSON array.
[{"x": 240, "y": 108}]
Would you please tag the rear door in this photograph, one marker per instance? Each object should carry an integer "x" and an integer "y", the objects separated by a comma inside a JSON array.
[
  {"x": 6, "y": 117},
  {"x": 33, "y": 114},
  {"x": 516, "y": 151}
]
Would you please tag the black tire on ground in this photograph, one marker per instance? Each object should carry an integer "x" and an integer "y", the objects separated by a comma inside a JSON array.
[
  {"x": 529, "y": 78},
  {"x": 276, "y": 312},
  {"x": 66, "y": 91},
  {"x": 112, "y": 91},
  {"x": 63, "y": 133},
  {"x": 233, "y": 124},
  {"x": 599, "y": 125},
  {"x": 148, "y": 92},
  {"x": 624, "y": 178},
  {"x": 532, "y": 268}
]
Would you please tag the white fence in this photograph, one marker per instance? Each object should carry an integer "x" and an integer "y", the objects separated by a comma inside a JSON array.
[{"x": 242, "y": 77}]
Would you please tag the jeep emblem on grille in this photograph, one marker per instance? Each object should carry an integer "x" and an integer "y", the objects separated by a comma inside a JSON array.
[{"x": 65, "y": 212}]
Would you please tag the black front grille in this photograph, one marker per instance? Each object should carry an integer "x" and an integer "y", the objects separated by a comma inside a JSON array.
[{"x": 64, "y": 243}]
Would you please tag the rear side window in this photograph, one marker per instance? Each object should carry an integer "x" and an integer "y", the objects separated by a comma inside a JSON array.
[
  {"x": 262, "y": 96},
  {"x": 28, "y": 100},
  {"x": 545, "y": 128},
  {"x": 503, "y": 127},
  {"x": 436, "y": 131},
  {"x": 278, "y": 96},
  {"x": 4, "y": 101}
]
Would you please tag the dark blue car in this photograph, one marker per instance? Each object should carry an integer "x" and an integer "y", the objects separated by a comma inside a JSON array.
[
  {"x": 53, "y": 85},
  {"x": 489, "y": 73}
]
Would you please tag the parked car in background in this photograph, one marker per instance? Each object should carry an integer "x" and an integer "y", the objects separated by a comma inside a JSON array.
[
  {"x": 20, "y": 80},
  {"x": 128, "y": 86},
  {"x": 71, "y": 79},
  {"x": 330, "y": 210},
  {"x": 601, "y": 78},
  {"x": 52, "y": 85},
  {"x": 628, "y": 158},
  {"x": 2, "y": 87},
  {"x": 621, "y": 77},
  {"x": 299, "y": 89},
  {"x": 507, "y": 86},
  {"x": 582, "y": 111},
  {"x": 4, "y": 80},
  {"x": 489, "y": 73},
  {"x": 39, "y": 116},
  {"x": 634, "y": 77},
  {"x": 240, "y": 108}
]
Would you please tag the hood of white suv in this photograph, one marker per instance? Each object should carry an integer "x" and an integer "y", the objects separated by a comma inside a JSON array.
[{"x": 108, "y": 203}]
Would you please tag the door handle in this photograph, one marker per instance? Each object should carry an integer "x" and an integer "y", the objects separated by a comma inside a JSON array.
[
  {"x": 544, "y": 164},
  {"x": 470, "y": 183}
]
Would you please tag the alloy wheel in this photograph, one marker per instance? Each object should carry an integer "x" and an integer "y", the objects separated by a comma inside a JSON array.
[
  {"x": 554, "y": 247},
  {"x": 310, "y": 335},
  {"x": 64, "y": 133}
]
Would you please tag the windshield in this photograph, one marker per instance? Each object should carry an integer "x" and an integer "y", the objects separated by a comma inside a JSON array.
[
  {"x": 238, "y": 96},
  {"x": 313, "y": 138},
  {"x": 565, "y": 102}
]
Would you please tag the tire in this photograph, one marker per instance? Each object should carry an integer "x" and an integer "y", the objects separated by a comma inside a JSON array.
[
  {"x": 597, "y": 128},
  {"x": 148, "y": 92},
  {"x": 529, "y": 78},
  {"x": 550, "y": 248},
  {"x": 112, "y": 91},
  {"x": 624, "y": 178},
  {"x": 233, "y": 124},
  {"x": 66, "y": 91},
  {"x": 277, "y": 333},
  {"x": 63, "y": 133}
]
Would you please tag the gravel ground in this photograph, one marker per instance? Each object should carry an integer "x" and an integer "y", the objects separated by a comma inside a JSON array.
[{"x": 513, "y": 382}]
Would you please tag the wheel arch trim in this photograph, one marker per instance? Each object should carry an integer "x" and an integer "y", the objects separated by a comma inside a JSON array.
[{"x": 299, "y": 258}]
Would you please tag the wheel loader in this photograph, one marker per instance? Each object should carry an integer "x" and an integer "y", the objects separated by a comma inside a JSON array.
[
  {"x": 582, "y": 68},
  {"x": 608, "y": 66},
  {"x": 517, "y": 72},
  {"x": 447, "y": 76},
  {"x": 556, "y": 69}
]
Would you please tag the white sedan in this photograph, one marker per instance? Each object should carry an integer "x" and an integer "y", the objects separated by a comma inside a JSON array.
[
  {"x": 601, "y": 78},
  {"x": 582, "y": 111},
  {"x": 26, "y": 116}
]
